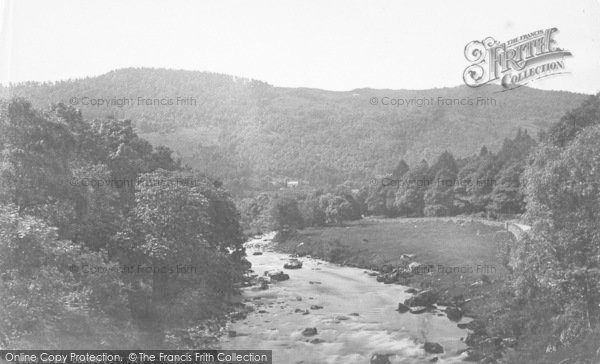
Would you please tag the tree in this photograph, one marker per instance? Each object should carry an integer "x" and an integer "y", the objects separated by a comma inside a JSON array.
[
  {"x": 35, "y": 169},
  {"x": 507, "y": 197},
  {"x": 444, "y": 161},
  {"x": 333, "y": 207},
  {"x": 285, "y": 214},
  {"x": 409, "y": 198},
  {"x": 558, "y": 265},
  {"x": 475, "y": 182},
  {"x": 43, "y": 278},
  {"x": 312, "y": 214},
  {"x": 439, "y": 198},
  {"x": 575, "y": 121},
  {"x": 180, "y": 221}
]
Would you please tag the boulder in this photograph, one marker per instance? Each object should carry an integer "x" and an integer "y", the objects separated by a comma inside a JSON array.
[
  {"x": 380, "y": 359},
  {"x": 309, "y": 331},
  {"x": 424, "y": 298},
  {"x": 317, "y": 341},
  {"x": 433, "y": 348},
  {"x": 386, "y": 268},
  {"x": 278, "y": 276},
  {"x": 402, "y": 308},
  {"x": 475, "y": 338},
  {"x": 293, "y": 264},
  {"x": 388, "y": 278},
  {"x": 473, "y": 355},
  {"x": 417, "y": 309},
  {"x": 454, "y": 313},
  {"x": 476, "y": 326}
]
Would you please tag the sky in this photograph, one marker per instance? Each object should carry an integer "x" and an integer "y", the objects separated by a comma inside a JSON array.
[{"x": 334, "y": 45}]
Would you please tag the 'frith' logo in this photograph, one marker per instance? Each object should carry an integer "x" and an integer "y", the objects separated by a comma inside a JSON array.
[{"x": 516, "y": 62}]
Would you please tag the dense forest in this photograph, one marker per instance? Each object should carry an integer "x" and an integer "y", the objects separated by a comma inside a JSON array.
[
  {"x": 486, "y": 184},
  {"x": 552, "y": 306},
  {"x": 100, "y": 232},
  {"x": 251, "y": 134}
]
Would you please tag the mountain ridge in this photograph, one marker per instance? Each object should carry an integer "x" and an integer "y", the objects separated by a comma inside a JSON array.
[{"x": 240, "y": 128}]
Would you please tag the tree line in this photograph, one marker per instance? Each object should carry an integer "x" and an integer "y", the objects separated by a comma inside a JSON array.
[{"x": 86, "y": 261}]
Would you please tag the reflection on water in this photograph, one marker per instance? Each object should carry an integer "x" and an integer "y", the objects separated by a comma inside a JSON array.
[{"x": 358, "y": 317}]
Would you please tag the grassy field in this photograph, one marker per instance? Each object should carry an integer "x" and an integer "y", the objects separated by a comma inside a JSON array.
[{"x": 460, "y": 252}]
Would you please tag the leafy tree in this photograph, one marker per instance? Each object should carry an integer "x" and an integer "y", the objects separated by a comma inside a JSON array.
[
  {"x": 285, "y": 214},
  {"x": 575, "y": 121},
  {"x": 35, "y": 161},
  {"x": 439, "y": 198},
  {"x": 507, "y": 196},
  {"x": 475, "y": 182},
  {"x": 410, "y": 195},
  {"x": 312, "y": 214},
  {"x": 444, "y": 161},
  {"x": 184, "y": 233},
  {"x": 44, "y": 278}
]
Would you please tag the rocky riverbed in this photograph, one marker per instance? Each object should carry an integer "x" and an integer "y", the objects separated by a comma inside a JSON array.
[{"x": 326, "y": 313}]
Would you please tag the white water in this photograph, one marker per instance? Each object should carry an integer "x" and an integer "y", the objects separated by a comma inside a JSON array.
[{"x": 341, "y": 291}]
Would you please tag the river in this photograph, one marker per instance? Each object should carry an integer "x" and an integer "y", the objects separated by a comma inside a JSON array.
[{"x": 358, "y": 317}]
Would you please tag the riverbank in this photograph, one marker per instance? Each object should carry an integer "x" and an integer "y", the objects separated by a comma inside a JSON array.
[{"x": 461, "y": 261}]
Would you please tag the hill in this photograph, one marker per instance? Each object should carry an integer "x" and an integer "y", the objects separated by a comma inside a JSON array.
[{"x": 252, "y": 132}]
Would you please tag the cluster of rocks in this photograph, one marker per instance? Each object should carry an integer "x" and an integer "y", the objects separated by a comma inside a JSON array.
[
  {"x": 389, "y": 274},
  {"x": 483, "y": 347},
  {"x": 269, "y": 277},
  {"x": 419, "y": 303},
  {"x": 293, "y": 264}
]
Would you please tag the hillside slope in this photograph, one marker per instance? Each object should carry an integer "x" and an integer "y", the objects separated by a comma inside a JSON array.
[{"x": 247, "y": 129}]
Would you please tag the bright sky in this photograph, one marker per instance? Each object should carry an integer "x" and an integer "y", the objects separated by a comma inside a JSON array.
[{"x": 336, "y": 45}]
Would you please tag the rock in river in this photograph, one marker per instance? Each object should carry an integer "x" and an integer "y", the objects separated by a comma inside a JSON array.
[
  {"x": 293, "y": 264},
  {"x": 402, "y": 308},
  {"x": 425, "y": 298},
  {"x": 278, "y": 276},
  {"x": 454, "y": 313},
  {"x": 417, "y": 309},
  {"x": 309, "y": 331},
  {"x": 380, "y": 359},
  {"x": 433, "y": 348}
]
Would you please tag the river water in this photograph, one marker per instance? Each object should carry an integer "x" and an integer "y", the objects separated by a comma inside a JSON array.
[{"x": 347, "y": 338}]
